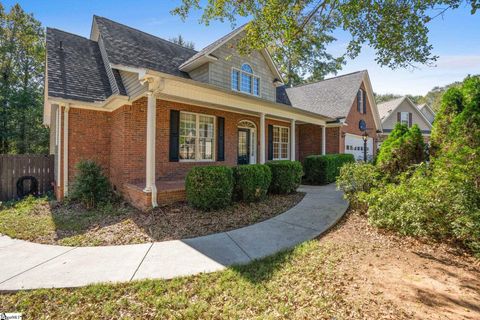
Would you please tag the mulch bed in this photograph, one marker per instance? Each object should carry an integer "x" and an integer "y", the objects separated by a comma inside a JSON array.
[{"x": 73, "y": 225}]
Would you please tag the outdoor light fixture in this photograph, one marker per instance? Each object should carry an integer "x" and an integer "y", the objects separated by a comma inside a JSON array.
[{"x": 365, "y": 139}]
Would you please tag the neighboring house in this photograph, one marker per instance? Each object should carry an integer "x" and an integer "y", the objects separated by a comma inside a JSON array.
[
  {"x": 403, "y": 110},
  {"x": 427, "y": 112},
  {"x": 148, "y": 110}
]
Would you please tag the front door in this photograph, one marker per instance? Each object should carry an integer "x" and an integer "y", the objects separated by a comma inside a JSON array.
[{"x": 243, "y": 146}]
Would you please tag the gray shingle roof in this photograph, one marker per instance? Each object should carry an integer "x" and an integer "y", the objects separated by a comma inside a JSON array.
[
  {"x": 386, "y": 107},
  {"x": 75, "y": 68},
  {"x": 331, "y": 97},
  {"x": 213, "y": 45},
  {"x": 134, "y": 48}
]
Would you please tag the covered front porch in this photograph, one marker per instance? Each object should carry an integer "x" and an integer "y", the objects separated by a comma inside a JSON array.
[{"x": 216, "y": 128}]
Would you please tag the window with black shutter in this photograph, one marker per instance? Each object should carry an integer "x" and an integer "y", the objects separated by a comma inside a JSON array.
[
  {"x": 220, "y": 139},
  {"x": 174, "y": 135}
]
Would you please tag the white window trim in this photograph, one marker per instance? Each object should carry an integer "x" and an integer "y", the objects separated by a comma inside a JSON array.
[
  {"x": 362, "y": 107},
  {"x": 280, "y": 143},
  {"x": 240, "y": 71},
  {"x": 197, "y": 138}
]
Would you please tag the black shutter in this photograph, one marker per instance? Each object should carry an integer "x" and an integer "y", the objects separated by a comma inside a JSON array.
[
  {"x": 358, "y": 101},
  {"x": 174, "y": 135},
  {"x": 364, "y": 102},
  {"x": 270, "y": 142},
  {"x": 220, "y": 139}
]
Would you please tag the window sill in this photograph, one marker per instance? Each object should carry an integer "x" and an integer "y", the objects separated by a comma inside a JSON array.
[{"x": 194, "y": 160}]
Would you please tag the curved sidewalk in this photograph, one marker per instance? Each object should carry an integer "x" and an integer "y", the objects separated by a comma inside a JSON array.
[{"x": 27, "y": 265}]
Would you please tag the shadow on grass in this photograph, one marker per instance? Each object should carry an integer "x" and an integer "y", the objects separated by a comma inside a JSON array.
[{"x": 260, "y": 271}]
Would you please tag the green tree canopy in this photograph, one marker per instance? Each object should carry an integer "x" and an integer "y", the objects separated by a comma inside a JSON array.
[
  {"x": 299, "y": 31},
  {"x": 22, "y": 57}
]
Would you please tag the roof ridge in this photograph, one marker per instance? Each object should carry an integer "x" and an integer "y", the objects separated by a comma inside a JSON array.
[
  {"x": 146, "y": 33},
  {"x": 332, "y": 78},
  {"x": 70, "y": 33},
  {"x": 391, "y": 100}
]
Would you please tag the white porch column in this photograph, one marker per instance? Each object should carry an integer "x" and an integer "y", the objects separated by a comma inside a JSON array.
[
  {"x": 150, "y": 158},
  {"x": 65, "y": 150},
  {"x": 262, "y": 138},
  {"x": 324, "y": 140},
  {"x": 292, "y": 144}
]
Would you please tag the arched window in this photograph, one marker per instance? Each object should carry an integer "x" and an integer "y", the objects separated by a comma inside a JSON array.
[
  {"x": 246, "y": 67},
  {"x": 244, "y": 80}
]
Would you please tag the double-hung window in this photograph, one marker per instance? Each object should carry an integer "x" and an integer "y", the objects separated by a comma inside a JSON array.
[
  {"x": 244, "y": 80},
  {"x": 197, "y": 132},
  {"x": 281, "y": 141},
  {"x": 404, "y": 118}
]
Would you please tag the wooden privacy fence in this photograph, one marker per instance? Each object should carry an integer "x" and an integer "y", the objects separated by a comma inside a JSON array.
[{"x": 13, "y": 167}]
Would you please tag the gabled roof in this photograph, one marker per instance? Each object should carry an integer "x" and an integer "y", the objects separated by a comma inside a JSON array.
[
  {"x": 387, "y": 108},
  {"x": 75, "y": 68},
  {"x": 425, "y": 106},
  {"x": 205, "y": 54},
  {"x": 331, "y": 97},
  {"x": 130, "y": 47},
  {"x": 211, "y": 47}
]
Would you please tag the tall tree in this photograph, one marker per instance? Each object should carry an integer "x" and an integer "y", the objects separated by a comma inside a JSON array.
[
  {"x": 182, "y": 42},
  {"x": 396, "y": 30},
  {"x": 22, "y": 56}
]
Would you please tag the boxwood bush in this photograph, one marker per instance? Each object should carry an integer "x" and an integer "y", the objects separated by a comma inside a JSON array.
[
  {"x": 91, "y": 186},
  {"x": 323, "y": 169},
  {"x": 251, "y": 182},
  {"x": 209, "y": 187},
  {"x": 286, "y": 176}
]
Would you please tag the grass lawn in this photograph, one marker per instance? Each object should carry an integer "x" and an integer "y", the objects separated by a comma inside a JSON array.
[
  {"x": 353, "y": 272},
  {"x": 39, "y": 220}
]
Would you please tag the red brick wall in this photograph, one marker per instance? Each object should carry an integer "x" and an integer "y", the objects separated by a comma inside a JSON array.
[
  {"x": 333, "y": 142},
  {"x": 309, "y": 140},
  {"x": 177, "y": 170},
  {"x": 353, "y": 119},
  {"x": 88, "y": 139}
]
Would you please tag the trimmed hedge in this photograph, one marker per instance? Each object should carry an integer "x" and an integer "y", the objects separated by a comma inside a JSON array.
[
  {"x": 286, "y": 176},
  {"x": 91, "y": 186},
  {"x": 324, "y": 169},
  {"x": 251, "y": 182},
  {"x": 209, "y": 188}
]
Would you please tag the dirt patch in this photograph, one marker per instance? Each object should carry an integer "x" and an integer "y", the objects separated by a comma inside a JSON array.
[{"x": 394, "y": 277}]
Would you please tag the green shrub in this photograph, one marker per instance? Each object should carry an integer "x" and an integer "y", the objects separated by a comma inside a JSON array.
[
  {"x": 209, "y": 187},
  {"x": 323, "y": 169},
  {"x": 91, "y": 186},
  {"x": 286, "y": 176},
  {"x": 252, "y": 182},
  {"x": 403, "y": 147},
  {"x": 356, "y": 179}
]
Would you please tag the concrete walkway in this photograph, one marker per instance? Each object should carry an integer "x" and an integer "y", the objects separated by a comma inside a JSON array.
[{"x": 26, "y": 265}]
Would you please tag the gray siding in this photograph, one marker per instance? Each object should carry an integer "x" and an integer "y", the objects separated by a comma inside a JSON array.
[
  {"x": 132, "y": 84},
  {"x": 111, "y": 77},
  {"x": 201, "y": 73},
  {"x": 228, "y": 57}
]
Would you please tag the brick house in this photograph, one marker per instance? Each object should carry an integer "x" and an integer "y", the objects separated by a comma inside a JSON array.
[{"x": 148, "y": 110}]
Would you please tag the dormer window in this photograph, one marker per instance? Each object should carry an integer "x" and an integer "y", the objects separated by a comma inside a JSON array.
[{"x": 244, "y": 80}]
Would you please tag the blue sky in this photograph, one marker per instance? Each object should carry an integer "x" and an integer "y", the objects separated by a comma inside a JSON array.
[{"x": 455, "y": 37}]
